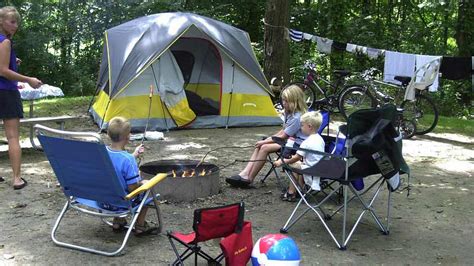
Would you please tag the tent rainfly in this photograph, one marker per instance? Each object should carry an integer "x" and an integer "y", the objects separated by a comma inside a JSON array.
[{"x": 177, "y": 70}]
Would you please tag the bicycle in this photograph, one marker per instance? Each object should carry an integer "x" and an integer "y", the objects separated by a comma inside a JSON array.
[
  {"x": 422, "y": 111},
  {"x": 326, "y": 97}
]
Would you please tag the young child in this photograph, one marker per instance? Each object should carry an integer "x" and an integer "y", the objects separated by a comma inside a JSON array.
[
  {"x": 125, "y": 164},
  {"x": 310, "y": 123},
  {"x": 294, "y": 104}
]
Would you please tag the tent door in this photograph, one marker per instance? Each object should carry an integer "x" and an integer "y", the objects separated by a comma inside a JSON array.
[{"x": 171, "y": 89}]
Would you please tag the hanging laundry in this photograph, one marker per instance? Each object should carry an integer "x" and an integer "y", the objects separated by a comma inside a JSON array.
[
  {"x": 307, "y": 36},
  {"x": 455, "y": 68},
  {"x": 374, "y": 53},
  {"x": 421, "y": 60},
  {"x": 398, "y": 64},
  {"x": 350, "y": 47},
  {"x": 323, "y": 44},
  {"x": 296, "y": 36},
  {"x": 339, "y": 46}
]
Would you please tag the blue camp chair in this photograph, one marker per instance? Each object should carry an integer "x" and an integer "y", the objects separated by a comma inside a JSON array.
[
  {"x": 87, "y": 176},
  {"x": 324, "y": 125},
  {"x": 370, "y": 137}
]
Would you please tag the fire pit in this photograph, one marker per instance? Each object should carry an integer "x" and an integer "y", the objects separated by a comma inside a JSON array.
[{"x": 185, "y": 182}]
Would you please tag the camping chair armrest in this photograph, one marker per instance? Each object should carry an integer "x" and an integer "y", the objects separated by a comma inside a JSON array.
[{"x": 147, "y": 186}]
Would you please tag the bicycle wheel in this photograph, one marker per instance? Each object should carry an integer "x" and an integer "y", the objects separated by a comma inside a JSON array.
[
  {"x": 355, "y": 98},
  {"x": 423, "y": 111},
  {"x": 407, "y": 128},
  {"x": 309, "y": 94}
]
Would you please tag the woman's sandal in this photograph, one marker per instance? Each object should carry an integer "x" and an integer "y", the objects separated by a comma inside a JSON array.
[
  {"x": 145, "y": 229},
  {"x": 119, "y": 225}
]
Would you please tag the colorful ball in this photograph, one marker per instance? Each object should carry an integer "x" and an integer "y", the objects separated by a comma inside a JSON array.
[{"x": 275, "y": 250}]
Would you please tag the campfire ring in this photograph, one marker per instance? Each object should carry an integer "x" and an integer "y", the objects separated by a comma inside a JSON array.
[{"x": 187, "y": 188}]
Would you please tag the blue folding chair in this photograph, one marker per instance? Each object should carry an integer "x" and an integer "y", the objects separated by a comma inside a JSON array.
[{"x": 87, "y": 177}]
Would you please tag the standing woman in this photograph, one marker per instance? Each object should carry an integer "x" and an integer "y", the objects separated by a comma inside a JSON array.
[{"x": 11, "y": 108}]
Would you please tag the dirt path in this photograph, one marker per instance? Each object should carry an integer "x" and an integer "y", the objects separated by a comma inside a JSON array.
[{"x": 433, "y": 225}]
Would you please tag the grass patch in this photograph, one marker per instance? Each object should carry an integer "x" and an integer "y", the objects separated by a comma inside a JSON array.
[
  {"x": 455, "y": 125},
  {"x": 78, "y": 106},
  {"x": 58, "y": 106}
]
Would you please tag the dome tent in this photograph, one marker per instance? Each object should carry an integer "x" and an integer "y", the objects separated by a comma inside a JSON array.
[{"x": 203, "y": 72}]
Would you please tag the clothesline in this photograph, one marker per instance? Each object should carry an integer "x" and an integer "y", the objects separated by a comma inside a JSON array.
[{"x": 396, "y": 63}]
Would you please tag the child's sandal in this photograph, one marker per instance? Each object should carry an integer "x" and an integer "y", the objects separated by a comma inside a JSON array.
[
  {"x": 145, "y": 229},
  {"x": 119, "y": 225}
]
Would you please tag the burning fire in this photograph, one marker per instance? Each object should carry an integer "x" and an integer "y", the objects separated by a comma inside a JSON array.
[{"x": 189, "y": 173}]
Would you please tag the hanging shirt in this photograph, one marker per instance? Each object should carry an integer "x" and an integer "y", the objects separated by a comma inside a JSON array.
[
  {"x": 373, "y": 53},
  {"x": 296, "y": 36},
  {"x": 455, "y": 68},
  {"x": 6, "y": 84},
  {"x": 398, "y": 64},
  {"x": 323, "y": 44},
  {"x": 421, "y": 60},
  {"x": 307, "y": 36},
  {"x": 339, "y": 46}
]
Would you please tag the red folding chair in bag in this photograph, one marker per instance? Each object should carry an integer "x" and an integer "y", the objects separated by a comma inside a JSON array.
[
  {"x": 209, "y": 223},
  {"x": 237, "y": 248}
]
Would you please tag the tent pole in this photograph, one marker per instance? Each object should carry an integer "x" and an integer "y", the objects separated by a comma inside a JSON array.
[
  {"x": 231, "y": 94},
  {"x": 157, "y": 90}
]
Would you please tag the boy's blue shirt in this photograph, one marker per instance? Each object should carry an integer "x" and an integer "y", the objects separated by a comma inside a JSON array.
[{"x": 125, "y": 166}]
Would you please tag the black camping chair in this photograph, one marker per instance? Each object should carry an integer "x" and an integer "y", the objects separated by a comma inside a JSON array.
[{"x": 373, "y": 147}]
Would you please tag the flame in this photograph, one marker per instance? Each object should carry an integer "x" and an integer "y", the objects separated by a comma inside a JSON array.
[{"x": 189, "y": 173}]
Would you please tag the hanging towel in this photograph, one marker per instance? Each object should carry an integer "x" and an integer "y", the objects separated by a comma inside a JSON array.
[
  {"x": 296, "y": 36},
  {"x": 455, "y": 68},
  {"x": 421, "y": 60},
  {"x": 351, "y": 47},
  {"x": 374, "y": 53},
  {"x": 339, "y": 46},
  {"x": 307, "y": 36},
  {"x": 323, "y": 44},
  {"x": 398, "y": 64},
  {"x": 356, "y": 49}
]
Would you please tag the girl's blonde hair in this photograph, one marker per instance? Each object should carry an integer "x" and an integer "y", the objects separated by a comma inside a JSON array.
[
  {"x": 119, "y": 128},
  {"x": 312, "y": 118},
  {"x": 294, "y": 96},
  {"x": 9, "y": 10}
]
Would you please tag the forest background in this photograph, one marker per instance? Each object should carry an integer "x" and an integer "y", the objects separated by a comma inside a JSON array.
[{"x": 60, "y": 41}]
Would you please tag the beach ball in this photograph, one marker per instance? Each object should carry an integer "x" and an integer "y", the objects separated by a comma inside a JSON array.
[{"x": 275, "y": 249}]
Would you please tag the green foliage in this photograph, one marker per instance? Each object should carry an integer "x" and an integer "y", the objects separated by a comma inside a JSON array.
[{"x": 60, "y": 41}]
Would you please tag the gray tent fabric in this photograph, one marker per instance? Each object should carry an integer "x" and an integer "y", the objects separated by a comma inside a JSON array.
[{"x": 138, "y": 43}]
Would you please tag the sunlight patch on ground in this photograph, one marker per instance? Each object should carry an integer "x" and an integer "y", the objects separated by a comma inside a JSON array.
[
  {"x": 184, "y": 146},
  {"x": 440, "y": 186},
  {"x": 454, "y": 137},
  {"x": 456, "y": 166},
  {"x": 418, "y": 148}
]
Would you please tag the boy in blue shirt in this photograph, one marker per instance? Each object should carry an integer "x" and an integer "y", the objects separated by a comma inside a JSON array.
[{"x": 126, "y": 167}]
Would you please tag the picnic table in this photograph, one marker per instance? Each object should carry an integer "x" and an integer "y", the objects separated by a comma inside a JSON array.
[{"x": 30, "y": 94}]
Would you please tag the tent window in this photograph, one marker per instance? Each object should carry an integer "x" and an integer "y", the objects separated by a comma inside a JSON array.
[{"x": 185, "y": 62}]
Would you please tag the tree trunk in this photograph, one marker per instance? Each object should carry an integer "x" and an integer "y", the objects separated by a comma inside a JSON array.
[
  {"x": 276, "y": 40},
  {"x": 464, "y": 37}
]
